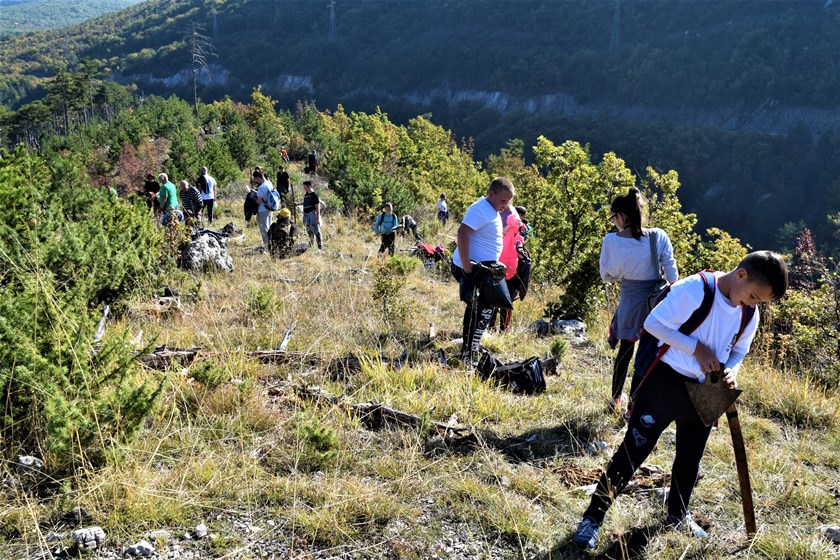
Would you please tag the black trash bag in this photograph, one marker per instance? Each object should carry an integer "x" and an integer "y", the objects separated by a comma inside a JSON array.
[
  {"x": 491, "y": 285},
  {"x": 528, "y": 378},
  {"x": 520, "y": 377}
]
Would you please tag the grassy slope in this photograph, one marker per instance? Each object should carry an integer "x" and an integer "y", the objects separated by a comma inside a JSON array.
[{"x": 249, "y": 451}]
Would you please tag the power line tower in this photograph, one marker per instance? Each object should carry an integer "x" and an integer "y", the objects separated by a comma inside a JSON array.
[
  {"x": 332, "y": 21},
  {"x": 615, "y": 40}
]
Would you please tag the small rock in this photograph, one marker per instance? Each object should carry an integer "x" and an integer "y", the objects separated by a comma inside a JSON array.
[
  {"x": 28, "y": 463},
  {"x": 597, "y": 448},
  {"x": 143, "y": 548},
  {"x": 831, "y": 533},
  {"x": 200, "y": 531},
  {"x": 161, "y": 535},
  {"x": 89, "y": 537}
]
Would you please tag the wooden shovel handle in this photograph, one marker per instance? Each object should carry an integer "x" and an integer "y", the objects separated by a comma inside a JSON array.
[{"x": 743, "y": 469}]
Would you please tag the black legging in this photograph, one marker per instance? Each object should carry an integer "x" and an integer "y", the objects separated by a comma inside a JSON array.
[
  {"x": 475, "y": 320},
  {"x": 208, "y": 204},
  {"x": 622, "y": 362},
  {"x": 662, "y": 399},
  {"x": 387, "y": 243}
]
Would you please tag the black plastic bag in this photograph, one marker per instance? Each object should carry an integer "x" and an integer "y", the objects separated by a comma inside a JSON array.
[{"x": 491, "y": 285}]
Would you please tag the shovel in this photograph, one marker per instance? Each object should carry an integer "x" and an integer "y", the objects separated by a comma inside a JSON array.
[{"x": 711, "y": 399}]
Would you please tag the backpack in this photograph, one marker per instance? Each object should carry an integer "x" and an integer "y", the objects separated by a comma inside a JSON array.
[
  {"x": 273, "y": 200},
  {"x": 649, "y": 352}
]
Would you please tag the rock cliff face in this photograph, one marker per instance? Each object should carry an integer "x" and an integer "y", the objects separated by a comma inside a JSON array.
[
  {"x": 766, "y": 119},
  {"x": 769, "y": 118}
]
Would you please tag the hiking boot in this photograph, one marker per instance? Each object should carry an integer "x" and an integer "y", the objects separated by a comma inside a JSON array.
[
  {"x": 586, "y": 534},
  {"x": 686, "y": 524}
]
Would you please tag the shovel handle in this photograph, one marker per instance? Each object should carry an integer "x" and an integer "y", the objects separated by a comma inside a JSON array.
[{"x": 743, "y": 469}]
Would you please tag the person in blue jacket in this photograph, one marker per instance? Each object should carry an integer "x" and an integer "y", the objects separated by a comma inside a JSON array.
[{"x": 386, "y": 226}]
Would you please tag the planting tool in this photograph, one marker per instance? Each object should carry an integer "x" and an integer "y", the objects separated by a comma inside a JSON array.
[{"x": 711, "y": 399}]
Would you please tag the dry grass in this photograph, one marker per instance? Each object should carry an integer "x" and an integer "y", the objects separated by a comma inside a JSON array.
[{"x": 223, "y": 448}]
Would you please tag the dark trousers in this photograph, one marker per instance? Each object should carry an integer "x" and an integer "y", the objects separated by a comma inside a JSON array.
[
  {"x": 662, "y": 399},
  {"x": 209, "y": 204},
  {"x": 622, "y": 362},
  {"x": 387, "y": 243},
  {"x": 476, "y": 319}
]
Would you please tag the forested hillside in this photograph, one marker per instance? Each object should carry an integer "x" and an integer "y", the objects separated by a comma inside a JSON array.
[
  {"x": 26, "y": 16},
  {"x": 737, "y": 96}
]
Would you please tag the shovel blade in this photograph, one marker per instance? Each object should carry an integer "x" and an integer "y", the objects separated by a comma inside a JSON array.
[{"x": 711, "y": 400}]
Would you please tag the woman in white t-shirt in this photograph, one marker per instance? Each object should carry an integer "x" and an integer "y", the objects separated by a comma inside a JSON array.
[{"x": 626, "y": 257}]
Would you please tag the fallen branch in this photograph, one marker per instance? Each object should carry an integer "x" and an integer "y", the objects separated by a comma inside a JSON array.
[{"x": 377, "y": 413}]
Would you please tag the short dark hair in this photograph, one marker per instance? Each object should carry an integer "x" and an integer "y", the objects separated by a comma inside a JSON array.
[
  {"x": 768, "y": 268},
  {"x": 259, "y": 174},
  {"x": 521, "y": 211},
  {"x": 500, "y": 184},
  {"x": 307, "y": 183}
]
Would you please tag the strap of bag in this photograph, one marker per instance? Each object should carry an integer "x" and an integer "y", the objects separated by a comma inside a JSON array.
[
  {"x": 695, "y": 320},
  {"x": 654, "y": 258}
]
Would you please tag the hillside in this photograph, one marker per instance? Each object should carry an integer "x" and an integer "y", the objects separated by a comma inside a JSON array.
[
  {"x": 314, "y": 407},
  {"x": 736, "y": 95},
  {"x": 18, "y": 17}
]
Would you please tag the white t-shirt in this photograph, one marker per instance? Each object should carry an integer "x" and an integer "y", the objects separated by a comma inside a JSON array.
[
  {"x": 717, "y": 331},
  {"x": 442, "y": 205},
  {"x": 626, "y": 258},
  {"x": 486, "y": 238},
  {"x": 211, "y": 188}
]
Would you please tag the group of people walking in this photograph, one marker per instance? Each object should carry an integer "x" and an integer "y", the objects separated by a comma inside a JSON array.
[
  {"x": 186, "y": 202},
  {"x": 642, "y": 259}
]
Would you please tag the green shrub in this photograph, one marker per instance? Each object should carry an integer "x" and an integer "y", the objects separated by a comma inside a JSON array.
[
  {"x": 261, "y": 300},
  {"x": 209, "y": 373},
  {"x": 64, "y": 255},
  {"x": 388, "y": 298},
  {"x": 318, "y": 445},
  {"x": 558, "y": 348},
  {"x": 401, "y": 265}
]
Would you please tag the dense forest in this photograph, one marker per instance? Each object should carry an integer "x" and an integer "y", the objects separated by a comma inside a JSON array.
[
  {"x": 734, "y": 95},
  {"x": 28, "y": 16}
]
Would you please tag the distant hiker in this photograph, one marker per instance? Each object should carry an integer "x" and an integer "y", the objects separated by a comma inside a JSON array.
[
  {"x": 167, "y": 200},
  {"x": 479, "y": 239},
  {"x": 627, "y": 256},
  {"x": 409, "y": 223},
  {"x": 313, "y": 161},
  {"x": 284, "y": 183},
  {"x": 263, "y": 210},
  {"x": 312, "y": 214},
  {"x": 284, "y": 154},
  {"x": 190, "y": 200},
  {"x": 151, "y": 188},
  {"x": 443, "y": 209},
  {"x": 385, "y": 226},
  {"x": 713, "y": 348},
  {"x": 207, "y": 187}
]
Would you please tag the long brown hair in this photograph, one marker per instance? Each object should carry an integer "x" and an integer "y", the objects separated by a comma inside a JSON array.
[{"x": 631, "y": 206}]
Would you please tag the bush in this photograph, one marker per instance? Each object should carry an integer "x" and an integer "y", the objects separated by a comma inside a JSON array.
[
  {"x": 61, "y": 395},
  {"x": 401, "y": 265}
]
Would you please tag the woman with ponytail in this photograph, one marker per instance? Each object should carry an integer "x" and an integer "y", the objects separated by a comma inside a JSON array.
[{"x": 626, "y": 257}]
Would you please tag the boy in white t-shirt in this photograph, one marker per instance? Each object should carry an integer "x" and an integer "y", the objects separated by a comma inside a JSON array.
[
  {"x": 479, "y": 239},
  {"x": 663, "y": 397}
]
